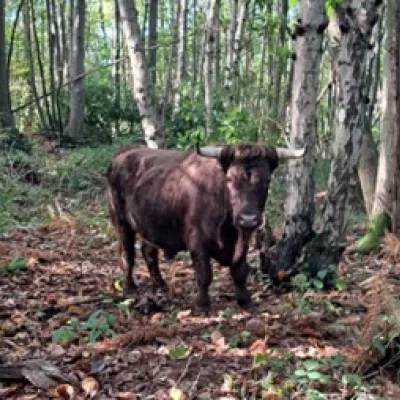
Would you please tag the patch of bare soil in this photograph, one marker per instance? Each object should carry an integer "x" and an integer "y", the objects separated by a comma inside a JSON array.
[{"x": 67, "y": 332}]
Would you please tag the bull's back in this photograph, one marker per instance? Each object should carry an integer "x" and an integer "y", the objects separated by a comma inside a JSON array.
[{"x": 166, "y": 194}]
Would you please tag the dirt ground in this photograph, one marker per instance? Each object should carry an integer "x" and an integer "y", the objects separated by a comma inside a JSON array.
[{"x": 159, "y": 348}]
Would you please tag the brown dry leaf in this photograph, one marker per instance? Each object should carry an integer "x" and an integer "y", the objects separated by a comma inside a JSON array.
[
  {"x": 90, "y": 386},
  {"x": 64, "y": 391},
  {"x": 218, "y": 341},
  {"x": 271, "y": 395},
  {"x": 351, "y": 320},
  {"x": 258, "y": 347},
  {"x": 31, "y": 262},
  {"x": 183, "y": 314},
  {"x": 126, "y": 396},
  {"x": 329, "y": 351},
  {"x": 18, "y": 318}
]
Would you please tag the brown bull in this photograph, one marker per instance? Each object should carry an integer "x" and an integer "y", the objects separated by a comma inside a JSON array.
[{"x": 208, "y": 203}]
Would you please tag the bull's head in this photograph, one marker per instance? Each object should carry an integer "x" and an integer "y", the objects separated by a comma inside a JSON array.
[{"x": 248, "y": 171}]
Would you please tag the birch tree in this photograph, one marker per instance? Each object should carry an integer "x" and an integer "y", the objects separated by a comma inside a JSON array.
[
  {"x": 239, "y": 14},
  {"x": 153, "y": 19},
  {"x": 6, "y": 119},
  {"x": 181, "y": 59},
  {"x": 141, "y": 85},
  {"x": 385, "y": 191},
  {"x": 77, "y": 69},
  {"x": 299, "y": 204},
  {"x": 209, "y": 62},
  {"x": 356, "y": 20}
]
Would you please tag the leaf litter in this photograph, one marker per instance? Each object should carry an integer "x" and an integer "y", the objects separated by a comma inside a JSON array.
[{"x": 153, "y": 347}]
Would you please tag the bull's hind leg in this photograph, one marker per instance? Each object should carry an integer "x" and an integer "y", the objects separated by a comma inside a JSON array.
[
  {"x": 126, "y": 239},
  {"x": 127, "y": 256},
  {"x": 150, "y": 255}
]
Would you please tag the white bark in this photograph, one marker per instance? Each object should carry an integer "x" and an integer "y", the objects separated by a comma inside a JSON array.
[
  {"x": 356, "y": 24},
  {"x": 299, "y": 205},
  {"x": 181, "y": 60},
  {"x": 209, "y": 63},
  {"x": 77, "y": 68},
  {"x": 238, "y": 23},
  {"x": 141, "y": 86},
  {"x": 383, "y": 190}
]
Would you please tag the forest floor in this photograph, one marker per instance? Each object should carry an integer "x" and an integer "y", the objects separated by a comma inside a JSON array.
[{"x": 67, "y": 332}]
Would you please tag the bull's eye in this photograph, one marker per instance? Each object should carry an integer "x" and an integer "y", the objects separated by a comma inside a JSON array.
[{"x": 255, "y": 179}]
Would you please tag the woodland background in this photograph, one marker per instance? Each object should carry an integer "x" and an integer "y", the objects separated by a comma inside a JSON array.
[{"x": 79, "y": 79}]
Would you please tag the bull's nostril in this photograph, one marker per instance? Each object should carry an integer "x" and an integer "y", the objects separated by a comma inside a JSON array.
[
  {"x": 248, "y": 217},
  {"x": 248, "y": 220}
]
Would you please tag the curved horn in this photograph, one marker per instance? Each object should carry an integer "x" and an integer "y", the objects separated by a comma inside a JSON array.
[
  {"x": 210, "y": 151},
  {"x": 290, "y": 153}
]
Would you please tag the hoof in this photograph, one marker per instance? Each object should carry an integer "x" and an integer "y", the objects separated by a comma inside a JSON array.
[
  {"x": 204, "y": 310},
  {"x": 247, "y": 305},
  {"x": 129, "y": 289}
]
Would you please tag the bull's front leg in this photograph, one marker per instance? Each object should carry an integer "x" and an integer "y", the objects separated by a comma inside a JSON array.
[
  {"x": 239, "y": 272},
  {"x": 204, "y": 276}
]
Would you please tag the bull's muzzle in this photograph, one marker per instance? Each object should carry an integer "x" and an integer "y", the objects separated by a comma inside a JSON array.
[{"x": 248, "y": 221}]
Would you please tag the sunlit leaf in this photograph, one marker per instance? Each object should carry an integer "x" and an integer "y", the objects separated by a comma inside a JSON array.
[{"x": 179, "y": 352}]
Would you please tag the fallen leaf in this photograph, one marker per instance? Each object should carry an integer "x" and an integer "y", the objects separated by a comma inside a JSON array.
[
  {"x": 227, "y": 386},
  {"x": 258, "y": 347},
  {"x": 218, "y": 341},
  {"x": 126, "y": 396},
  {"x": 179, "y": 352},
  {"x": 90, "y": 386},
  {"x": 183, "y": 314},
  {"x": 64, "y": 391},
  {"x": 31, "y": 262},
  {"x": 176, "y": 394}
]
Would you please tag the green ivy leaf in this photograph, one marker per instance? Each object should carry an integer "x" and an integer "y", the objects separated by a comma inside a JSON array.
[
  {"x": 311, "y": 365},
  {"x": 179, "y": 353},
  {"x": 351, "y": 380}
]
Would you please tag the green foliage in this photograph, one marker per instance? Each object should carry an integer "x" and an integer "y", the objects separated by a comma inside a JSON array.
[
  {"x": 376, "y": 229},
  {"x": 14, "y": 267},
  {"x": 64, "y": 335},
  {"x": 241, "y": 339},
  {"x": 179, "y": 353},
  {"x": 99, "y": 325},
  {"x": 310, "y": 372}
]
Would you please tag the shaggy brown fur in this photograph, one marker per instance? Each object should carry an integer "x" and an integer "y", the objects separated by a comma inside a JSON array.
[{"x": 183, "y": 201}]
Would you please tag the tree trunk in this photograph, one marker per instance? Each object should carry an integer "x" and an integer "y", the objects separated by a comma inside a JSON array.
[
  {"x": 141, "y": 87},
  {"x": 395, "y": 71},
  {"x": 6, "y": 120},
  {"x": 116, "y": 70},
  {"x": 299, "y": 203},
  {"x": 181, "y": 60},
  {"x": 77, "y": 68},
  {"x": 368, "y": 165},
  {"x": 195, "y": 44},
  {"x": 153, "y": 19},
  {"x": 356, "y": 23},
  {"x": 31, "y": 72},
  {"x": 383, "y": 199},
  {"x": 209, "y": 63},
  {"x": 279, "y": 71},
  {"x": 236, "y": 46}
]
